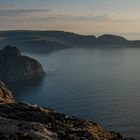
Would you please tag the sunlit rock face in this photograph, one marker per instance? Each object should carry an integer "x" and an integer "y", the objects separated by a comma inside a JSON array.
[
  {"x": 14, "y": 66},
  {"x": 5, "y": 94}
]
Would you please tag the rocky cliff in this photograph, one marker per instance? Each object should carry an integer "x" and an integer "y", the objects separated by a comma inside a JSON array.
[
  {"x": 14, "y": 66},
  {"x": 22, "y": 121},
  {"x": 5, "y": 94}
]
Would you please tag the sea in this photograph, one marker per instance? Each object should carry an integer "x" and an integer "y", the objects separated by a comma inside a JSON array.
[{"x": 100, "y": 84}]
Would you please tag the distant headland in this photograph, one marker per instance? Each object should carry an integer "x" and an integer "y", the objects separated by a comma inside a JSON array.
[{"x": 48, "y": 41}]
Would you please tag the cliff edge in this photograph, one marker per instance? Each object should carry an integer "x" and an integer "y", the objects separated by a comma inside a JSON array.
[{"x": 22, "y": 121}]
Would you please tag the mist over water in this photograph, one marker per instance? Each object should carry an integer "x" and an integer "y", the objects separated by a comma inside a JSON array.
[{"x": 102, "y": 85}]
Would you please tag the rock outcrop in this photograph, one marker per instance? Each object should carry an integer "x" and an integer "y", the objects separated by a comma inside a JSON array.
[
  {"x": 22, "y": 121},
  {"x": 14, "y": 66},
  {"x": 11, "y": 129},
  {"x": 5, "y": 94}
]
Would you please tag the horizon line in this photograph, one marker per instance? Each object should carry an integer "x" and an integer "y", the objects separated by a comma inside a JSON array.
[{"x": 97, "y": 34}]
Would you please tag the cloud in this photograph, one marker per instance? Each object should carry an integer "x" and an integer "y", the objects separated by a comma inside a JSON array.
[
  {"x": 48, "y": 15},
  {"x": 22, "y": 12},
  {"x": 76, "y": 18},
  {"x": 80, "y": 17},
  {"x": 6, "y": 6}
]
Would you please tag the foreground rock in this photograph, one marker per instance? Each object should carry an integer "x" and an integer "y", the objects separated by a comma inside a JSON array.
[
  {"x": 22, "y": 121},
  {"x": 23, "y": 130},
  {"x": 14, "y": 66}
]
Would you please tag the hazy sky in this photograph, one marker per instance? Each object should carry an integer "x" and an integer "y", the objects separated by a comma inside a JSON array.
[{"x": 82, "y": 16}]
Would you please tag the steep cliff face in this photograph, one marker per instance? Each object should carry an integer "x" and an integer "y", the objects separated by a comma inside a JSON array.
[
  {"x": 14, "y": 66},
  {"x": 22, "y": 121},
  {"x": 5, "y": 94}
]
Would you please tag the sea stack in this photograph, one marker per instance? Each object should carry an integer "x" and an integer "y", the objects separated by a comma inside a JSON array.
[{"x": 14, "y": 66}]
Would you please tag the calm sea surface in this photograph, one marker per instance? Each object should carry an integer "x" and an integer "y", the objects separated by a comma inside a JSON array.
[{"x": 102, "y": 85}]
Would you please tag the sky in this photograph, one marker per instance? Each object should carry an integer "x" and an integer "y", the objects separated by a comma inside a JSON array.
[{"x": 80, "y": 16}]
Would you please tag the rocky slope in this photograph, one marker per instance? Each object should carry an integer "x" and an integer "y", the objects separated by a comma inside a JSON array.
[
  {"x": 22, "y": 121},
  {"x": 14, "y": 66}
]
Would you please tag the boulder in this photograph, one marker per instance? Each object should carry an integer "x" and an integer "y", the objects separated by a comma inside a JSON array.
[{"x": 22, "y": 130}]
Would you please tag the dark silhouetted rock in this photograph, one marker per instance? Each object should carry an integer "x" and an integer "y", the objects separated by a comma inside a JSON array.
[
  {"x": 49, "y": 41},
  {"x": 14, "y": 66},
  {"x": 111, "y": 39}
]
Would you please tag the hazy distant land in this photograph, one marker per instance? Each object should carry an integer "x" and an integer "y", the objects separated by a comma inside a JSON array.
[{"x": 48, "y": 41}]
